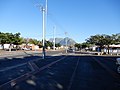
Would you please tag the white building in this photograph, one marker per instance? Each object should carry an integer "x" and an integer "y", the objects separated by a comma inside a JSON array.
[{"x": 1, "y": 47}]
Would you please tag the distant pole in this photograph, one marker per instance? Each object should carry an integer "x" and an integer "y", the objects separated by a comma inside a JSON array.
[
  {"x": 66, "y": 41},
  {"x": 54, "y": 37},
  {"x": 46, "y": 6},
  {"x": 43, "y": 35}
]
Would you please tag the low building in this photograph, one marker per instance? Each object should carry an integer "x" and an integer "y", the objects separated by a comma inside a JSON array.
[
  {"x": 29, "y": 47},
  {"x": 114, "y": 49},
  {"x": 1, "y": 47}
]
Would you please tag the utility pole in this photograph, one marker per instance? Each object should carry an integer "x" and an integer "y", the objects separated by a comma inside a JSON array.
[
  {"x": 44, "y": 23},
  {"x": 46, "y": 6},
  {"x": 54, "y": 37},
  {"x": 66, "y": 41},
  {"x": 43, "y": 34}
]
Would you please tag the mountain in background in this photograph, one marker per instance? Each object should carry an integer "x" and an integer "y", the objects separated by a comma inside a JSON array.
[
  {"x": 57, "y": 40},
  {"x": 62, "y": 41}
]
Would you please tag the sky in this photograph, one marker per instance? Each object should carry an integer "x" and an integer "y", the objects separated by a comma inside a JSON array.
[{"x": 79, "y": 18}]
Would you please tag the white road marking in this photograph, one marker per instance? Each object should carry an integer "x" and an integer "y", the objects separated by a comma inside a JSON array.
[
  {"x": 73, "y": 75},
  {"x": 56, "y": 54},
  {"x": 24, "y": 76},
  {"x": 8, "y": 68}
]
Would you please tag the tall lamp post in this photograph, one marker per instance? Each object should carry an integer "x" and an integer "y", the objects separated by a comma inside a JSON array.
[
  {"x": 44, "y": 23},
  {"x": 43, "y": 33}
]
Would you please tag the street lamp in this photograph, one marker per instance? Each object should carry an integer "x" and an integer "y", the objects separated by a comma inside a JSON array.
[
  {"x": 44, "y": 20},
  {"x": 43, "y": 34},
  {"x": 44, "y": 10}
]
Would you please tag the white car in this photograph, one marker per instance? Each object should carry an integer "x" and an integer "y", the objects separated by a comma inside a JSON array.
[
  {"x": 27, "y": 49},
  {"x": 71, "y": 50}
]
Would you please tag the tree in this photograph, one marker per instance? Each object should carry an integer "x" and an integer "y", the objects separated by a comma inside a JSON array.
[
  {"x": 82, "y": 45},
  {"x": 48, "y": 44},
  {"x": 101, "y": 40},
  {"x": 6, "y": 38},
  {"x": 40, "y": 44},
  {"x": 97, "y": 40},
  {"x": 33, "y": 41},
  {"x": 78, "y": 46},
  {"x": 17, "y": 40},
  {"x": 57, "y": 45},
  {"x": 9, "y": 38},
  {"x": 85, "y": 44},
  {"x": 116, "y": 38},
  {"x": 108, "y": 41},
  {"x": 3, "y": 39}
]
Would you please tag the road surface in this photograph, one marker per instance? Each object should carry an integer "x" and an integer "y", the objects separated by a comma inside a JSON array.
[{"x": 64, "y": 72}]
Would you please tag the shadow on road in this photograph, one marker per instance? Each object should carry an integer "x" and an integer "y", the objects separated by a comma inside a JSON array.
[{"x": 66, "y": 74}]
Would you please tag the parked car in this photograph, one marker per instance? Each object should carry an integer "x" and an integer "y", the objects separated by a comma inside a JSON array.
[
  {"x": 71, "y": 50},
  {"x": 27, "y": 49}
]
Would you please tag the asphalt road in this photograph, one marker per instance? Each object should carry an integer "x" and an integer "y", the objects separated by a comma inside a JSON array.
[
  {"x": 73, "y": 73},
  {"x": 19, "y": 60}
]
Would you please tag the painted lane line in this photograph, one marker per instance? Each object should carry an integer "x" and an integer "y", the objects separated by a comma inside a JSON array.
[
  {"x": 13, "y": 82},
  {"x": 33, "y": 66},
  {"x": 48, "y": 65},
  {"x": 113, "y": 73},
  {"x": 12, "y": 67},
  {"x": 57, "y": 54},
  {"x": 73, "y": 75},
  {"x": 15, "y": 55}
]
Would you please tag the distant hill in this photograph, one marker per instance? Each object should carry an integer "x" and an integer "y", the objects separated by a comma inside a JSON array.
[
  {"x": 62, "y": 41},
  {"x": 57, "y": 40}
]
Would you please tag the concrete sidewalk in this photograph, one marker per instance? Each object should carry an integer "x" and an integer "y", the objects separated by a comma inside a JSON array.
[{"x": 4, "y": 54}]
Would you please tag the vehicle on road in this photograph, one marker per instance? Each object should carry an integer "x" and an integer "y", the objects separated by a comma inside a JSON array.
[
  {"x": 27, "y": 49},
  {"x": 71, "y": 50}
]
